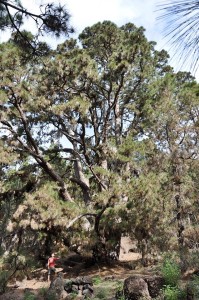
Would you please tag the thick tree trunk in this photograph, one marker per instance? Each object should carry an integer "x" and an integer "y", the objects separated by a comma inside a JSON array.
[
  {"x": 83, "y": 181},
  {"x": 107, "y": 246}
]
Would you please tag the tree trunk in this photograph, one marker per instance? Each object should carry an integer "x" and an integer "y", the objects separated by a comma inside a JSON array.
[{"x": 83, "y": 181}]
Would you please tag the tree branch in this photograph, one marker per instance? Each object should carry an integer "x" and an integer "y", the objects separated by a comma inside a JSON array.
[{"x": 79, "y": 217}]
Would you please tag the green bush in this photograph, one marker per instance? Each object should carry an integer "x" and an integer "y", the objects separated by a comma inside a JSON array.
[
  {"x": 43, "y": 291},
  {"x": 50, "y": 295},
  {"x": 3, "y": 281},
  {"x": 171, "y": 272},
  {"x": 119, "y": 291},
  {"x": 96, "y": 280},
  {"x": 171, "y": 292},
  {"x": 193, "y": 286},
  {"x": 101, "y": 294},
  {"x": 29, "y": 296}
]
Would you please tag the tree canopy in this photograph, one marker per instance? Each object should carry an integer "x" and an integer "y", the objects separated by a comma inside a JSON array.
[
  {"x": 52, "y": 19},
  {"x": 99, "y": 139}
]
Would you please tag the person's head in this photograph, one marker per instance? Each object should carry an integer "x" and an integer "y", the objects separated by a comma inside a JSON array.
[{"x": 53, "y": 254}]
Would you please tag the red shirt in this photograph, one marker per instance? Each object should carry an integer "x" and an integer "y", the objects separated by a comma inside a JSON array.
[{"x": 52, "y": 261}]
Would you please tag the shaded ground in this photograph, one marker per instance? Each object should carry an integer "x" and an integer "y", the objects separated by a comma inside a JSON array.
[
  {"x": 106, "y": 277},
  {"x": 37, "y": 285},
  {"x": 73, "y": 267}
]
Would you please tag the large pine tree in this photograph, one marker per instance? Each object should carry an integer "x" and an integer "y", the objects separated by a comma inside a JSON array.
[{"x": 102, "y": 139}]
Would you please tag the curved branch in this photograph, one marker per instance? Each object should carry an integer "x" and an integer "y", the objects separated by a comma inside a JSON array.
[
  {"x": 18, "y": 31},
  {"x": 79, "y": 217},
  {"x": 55, "y": 19},
  {"x": 18, "y": 8}
]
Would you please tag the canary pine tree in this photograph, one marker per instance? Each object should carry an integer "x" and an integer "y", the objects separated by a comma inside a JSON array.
[{"x": 98, "y": 131}]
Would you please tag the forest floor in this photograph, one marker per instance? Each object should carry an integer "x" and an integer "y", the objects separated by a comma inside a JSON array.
[{"x": 110, "y": 275}]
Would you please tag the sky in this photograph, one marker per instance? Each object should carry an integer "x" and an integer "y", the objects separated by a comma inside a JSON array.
[{"x": 88, "y": 12}]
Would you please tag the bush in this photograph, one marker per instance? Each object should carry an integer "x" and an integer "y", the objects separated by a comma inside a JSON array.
[
  {"x": 3, "y": 281},
  {"x": 29, "y": 296},
  {"x": 193, "y": 287},
  {"x": 119, "y": 295},
  {"x": 101, "y": 294},
  {"x": 50, "y": 295},
  {"x": 97, "y": 280},
  {"x": 171, "y": 292},
  {"x": 171, "y": 273},
  {"x": 43, "y": 292}
]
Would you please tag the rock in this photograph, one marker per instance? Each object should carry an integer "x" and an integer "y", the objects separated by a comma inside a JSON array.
[
  {"x": 155, "y": 284},
  {"x": 68, "y": 286},
  {"x": 56, "y": 288},
  {"x": 87, "y": 291},
  {"x": 111, "y": 277},
  {"x": 82, "y": 286},
  {"x": 136, "y": 288}
]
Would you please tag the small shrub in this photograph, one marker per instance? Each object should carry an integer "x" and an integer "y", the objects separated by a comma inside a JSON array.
[
  {"x": 29, "y": 296},
  {"x": 43, "y": 291},
  {"x": 119, "y": 295},
  {"x": 50, "y": 296},
  {"x": 3, "y": 281},
  {"x": 102, "y": 294},
  {"x": 193, "y": 286},
  {"x": 171, "y": 273},
  {"x": 97, "y": 280},
  {"x": 171, "y": 292},
  {"x": 73, "y": 295}
]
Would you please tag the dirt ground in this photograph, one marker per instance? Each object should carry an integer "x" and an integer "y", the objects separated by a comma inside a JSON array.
[{"x": 18, "y": 289}]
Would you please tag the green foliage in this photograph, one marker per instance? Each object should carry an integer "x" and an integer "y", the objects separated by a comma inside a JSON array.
[
  {"x": 174, "y": 293},
  {"x": 171, "y": 272},
  {"x": 101, "y": 294},
  {"x": 50, "y": 295},
  {"x": 4, "y": 275},
  {"x": 105, "y": 289},
  {"x": 119, "y": 291},
  {"x": 97, "y": 280},
  {"x": 29, "y": 296},
  {"x": 53, "y": 18},
  {"x": 193, "y": 286},
  {"x": 171, "y": 293},
  {"x": 96, "y": 141},
  {"x": 43, "y": 291}
]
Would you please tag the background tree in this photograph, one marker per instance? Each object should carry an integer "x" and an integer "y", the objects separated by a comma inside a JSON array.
[
  {"x": 53, "y": 19},
  {"x": 176, "y": 139}
]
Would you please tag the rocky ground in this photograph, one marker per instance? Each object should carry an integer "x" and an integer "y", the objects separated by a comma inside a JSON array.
[{"x": 109, "y": 275}]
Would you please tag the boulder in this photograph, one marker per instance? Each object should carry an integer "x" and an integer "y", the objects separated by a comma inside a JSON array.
[
  {"x": 135, "y": 288},
  {"x": 81, "y": 286},
  {"x": 155, "y": 284},
  {"x": 56, "y": 288}
]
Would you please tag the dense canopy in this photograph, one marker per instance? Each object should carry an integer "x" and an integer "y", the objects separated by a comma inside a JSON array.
[{"x": 99, "y": 139}]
